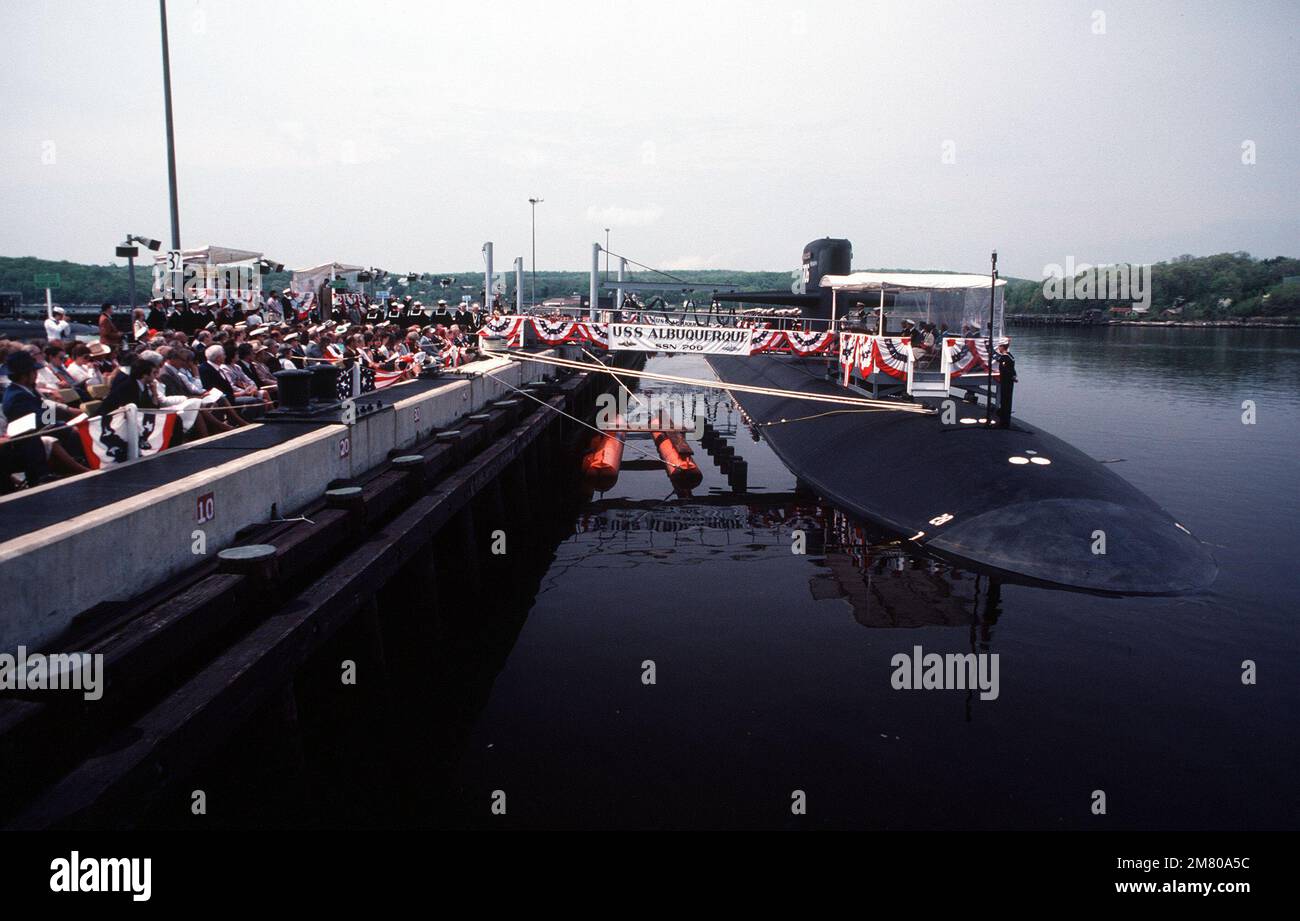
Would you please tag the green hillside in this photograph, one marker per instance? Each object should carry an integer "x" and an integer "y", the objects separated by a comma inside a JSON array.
[
  {"x": 1220, "y": 286},
  {"x": 1201, "y": 287}
]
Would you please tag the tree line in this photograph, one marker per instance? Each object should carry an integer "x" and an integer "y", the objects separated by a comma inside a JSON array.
[{"x": 1224, "y": 285}]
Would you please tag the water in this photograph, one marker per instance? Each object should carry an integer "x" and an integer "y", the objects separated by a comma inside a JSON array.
[{"x": 773, "y": 670}]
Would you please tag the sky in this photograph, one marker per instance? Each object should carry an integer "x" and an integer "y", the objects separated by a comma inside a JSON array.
[{"x": 704, "y": 135}]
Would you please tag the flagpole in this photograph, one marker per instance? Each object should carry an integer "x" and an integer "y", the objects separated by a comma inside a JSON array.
[{"x": 171, "y": 135}]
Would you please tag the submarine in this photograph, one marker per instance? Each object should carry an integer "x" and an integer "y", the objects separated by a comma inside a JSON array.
[{"x": 1017, "y": 502}]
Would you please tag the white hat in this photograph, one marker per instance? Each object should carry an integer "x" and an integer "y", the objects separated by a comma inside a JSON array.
[
  {"x": 1003, "y": 341},
  {"x": 57, "y": 310}
]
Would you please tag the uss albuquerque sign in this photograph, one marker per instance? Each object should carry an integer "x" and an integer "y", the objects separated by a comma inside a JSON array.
[{"x": 703, "y": 340}]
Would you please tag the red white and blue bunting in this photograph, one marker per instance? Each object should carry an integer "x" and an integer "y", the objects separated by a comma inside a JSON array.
[
  {"x": 890, "y": 355},
  {"x": 104, "y": 438},
  {"x": 345, "y": 299},
  {"x": 860, "y": 354},
  {"x": 966, "y": 356},
  {"x": 508, "y": 327},
  {"x": 562, "y": 330},
  {"x": 810, "y": 343}
]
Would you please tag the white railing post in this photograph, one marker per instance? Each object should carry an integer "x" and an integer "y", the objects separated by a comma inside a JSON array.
[
  {"x": 356, "y": 378},
  {"x": 131, "y": 426},
  {"x": 595, "y": 282},
  {"x": 622, "y": 277},
  {"x": 519, "y": 287}
]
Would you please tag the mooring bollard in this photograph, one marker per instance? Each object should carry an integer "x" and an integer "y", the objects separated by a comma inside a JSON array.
[
  {"x": 452, "y": 437},
  {"x": 511, "y": 407},
  {"x": 295, "y": 387},
  {"x": 413, "y": 465},
  {"x": 257, "y": 561},
  {"x": 349, "y": 499}
]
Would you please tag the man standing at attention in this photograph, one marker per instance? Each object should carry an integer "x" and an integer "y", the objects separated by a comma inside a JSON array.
[
  {"x": 109, "y": 334},
  {"x": 1006, "y": 366}
]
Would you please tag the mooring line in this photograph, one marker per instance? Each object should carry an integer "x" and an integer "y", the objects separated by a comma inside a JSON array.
[
  {"x": 862, "y": 402},
  {"x": 600, "y": 432}
]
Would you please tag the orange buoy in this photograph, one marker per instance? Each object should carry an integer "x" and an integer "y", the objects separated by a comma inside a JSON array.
[
  {"x": 681, "y": 444},
  {"x": 601, "y": 464},
  {"x": 682, "y": 471}
]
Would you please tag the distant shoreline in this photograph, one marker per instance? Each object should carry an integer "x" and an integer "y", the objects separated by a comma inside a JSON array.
[{"x": 1245, "y": 323}]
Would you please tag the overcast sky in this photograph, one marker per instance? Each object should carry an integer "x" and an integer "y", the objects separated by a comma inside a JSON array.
[{"x": 706, "y": 134}]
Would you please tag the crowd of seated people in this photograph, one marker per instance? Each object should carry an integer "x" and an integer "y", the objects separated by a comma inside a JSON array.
[{"x": 213, "y": 363}]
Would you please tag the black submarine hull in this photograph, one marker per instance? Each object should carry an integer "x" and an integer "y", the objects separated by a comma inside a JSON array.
[{"x": 954, "y": 489}]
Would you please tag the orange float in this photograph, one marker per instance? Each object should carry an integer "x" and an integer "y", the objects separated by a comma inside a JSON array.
[
  {"x": 684, "y": 473},
  {"x": 681, "y": 444},
  {"x": 600, "y": 465}
]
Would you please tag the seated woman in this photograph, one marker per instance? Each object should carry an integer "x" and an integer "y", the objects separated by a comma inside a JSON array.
[{"x": 231, "y": 381}]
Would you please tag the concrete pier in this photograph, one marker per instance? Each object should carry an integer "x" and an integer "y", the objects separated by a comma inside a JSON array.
[
  {"x": 106, "y": 536},
  {"x": 226, "y": 678}
]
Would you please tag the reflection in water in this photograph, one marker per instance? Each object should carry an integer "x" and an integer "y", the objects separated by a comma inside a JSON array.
[
  {"x": 886, "y": 583},
  {"x": 766, "y": 684}
]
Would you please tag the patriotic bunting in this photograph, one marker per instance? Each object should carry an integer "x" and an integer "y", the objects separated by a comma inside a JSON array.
[
  {"x": 890, "y": 355},
  {"x": 104, "y": 438},
  {"x": 301, "y": 306},
  {"x": 767, "y": 340},
  {"x": 794, "y": 341},
  {"x": 561, "y": 330},
  {"x": 510, "y": 328},
  {"x": 860, "y": 354},
  {"x": 966, "y": 356}
]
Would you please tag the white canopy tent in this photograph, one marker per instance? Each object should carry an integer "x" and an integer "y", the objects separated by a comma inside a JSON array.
[
  {"x": 955, "y": 304},
  {"x": 305, "y": 280},
  {"x": 904, "y": 281},
  {"x": 213, "y": 255},
  {"x": 211, "y": 272}
]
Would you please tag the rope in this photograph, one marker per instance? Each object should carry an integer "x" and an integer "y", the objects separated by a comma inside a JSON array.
[
  {"x": 831, "y": 412},
  {"x": 641, "y": 265},
  {"x": 742, "y": 388},
  {"x": 626, "y": 389},
  {"x": 588, "y": 425}
]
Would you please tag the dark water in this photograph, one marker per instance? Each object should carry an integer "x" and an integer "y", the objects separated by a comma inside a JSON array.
[{"x": 773, "y": 669}]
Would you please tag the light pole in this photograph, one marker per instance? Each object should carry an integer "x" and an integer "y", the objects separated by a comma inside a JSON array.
[
  {"x": 130, "y": 251},
  {"x": 171, "y": 136},
  {"x": 535, "y": 202},
  {"x": 606, "y": 254}
]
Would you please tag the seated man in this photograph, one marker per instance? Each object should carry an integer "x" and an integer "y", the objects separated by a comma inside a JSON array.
[
  {"x": 180, "y": 379},
  {"x": 33, "y": 456},
  {"x": 232, "y": 382},
  {"x": 134, "y": 388}
]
